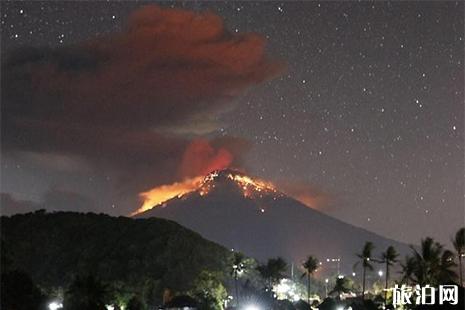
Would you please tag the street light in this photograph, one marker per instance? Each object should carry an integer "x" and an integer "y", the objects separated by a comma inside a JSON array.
[
  {"x": 251, "y": 307},
  {"x": 55, "y": 305},
  {"x": 380, "y": 273}
]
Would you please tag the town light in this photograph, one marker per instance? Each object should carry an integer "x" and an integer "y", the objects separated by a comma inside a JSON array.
[
  {"x": 283, "y": 288},
  {"x": 380, "y": 273},
  {"x": 251, "y": 307},
  {"x": 55, "y": 305}
]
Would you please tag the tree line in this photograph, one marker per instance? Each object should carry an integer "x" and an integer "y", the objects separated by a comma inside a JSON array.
[{"x": 140, "y": 264}]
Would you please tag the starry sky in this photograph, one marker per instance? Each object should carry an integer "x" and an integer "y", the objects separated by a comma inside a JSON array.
[{"x": 360, "y": 104}]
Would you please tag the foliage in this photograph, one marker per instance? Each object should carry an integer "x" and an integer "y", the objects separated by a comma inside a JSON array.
[
  {"x": 272, "y": 271},
  {"x": 18, "y": 292},
  {"x": 389, "y": 257},
  {"x": 366, "y": 255},
  {"x": 181, "y": 301},
  {"x": 446, "y": 273},
  {"x": 310, "y": 266},
  {"x": 237, "y": 267},
  {"x": 209, "y": 291},
  {"x": 146, "y": 255},
  {"x": 341, "y": 286},
  {"x": 366, "y": 258},
  {"x": 87, "y": 293},
  {"x": 121, "y": 294},
  {"x": 408, "y": 268},
  {"x": 135, "y": 303},
  {"x": 249, "y": 274},
  {"x": 459, "y": 246},
  {"x": 431, "y": 264},
  {"x": 459, "y": 241}
]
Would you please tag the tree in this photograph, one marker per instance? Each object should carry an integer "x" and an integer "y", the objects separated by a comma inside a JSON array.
[
  {"x": 446, "y": 268},
  {"x": 135, "y": 304},
  {"x": 272, "y": 271},
  {"x": 236, "y": 269},
  {"x": 427, "y": 261},
  {"x": 310, "y": 266},
  {"x": 389, "y": 258},
  {"x": 209, "y": 291},
  {"x": 181, "y": 302},
  {"x": 459, "y": 246},
  {"x": 365, "y": 259},
  {"x": 408, "y": 268},
  {"x": 19, "y": 292},
  {"x": 432, "y": 264},
  {"x": 141, "y": 254},
  {"x": 87, "y": 293},
  {"x": 342, "y": 286}
]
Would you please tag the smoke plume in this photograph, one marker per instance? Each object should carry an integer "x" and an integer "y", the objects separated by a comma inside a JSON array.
[{"x": 130, "y": 102}]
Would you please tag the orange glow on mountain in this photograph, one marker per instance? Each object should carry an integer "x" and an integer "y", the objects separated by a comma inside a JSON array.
[
  {"x": 160, "y": 194},
  {"x": 250, "y": 187}
]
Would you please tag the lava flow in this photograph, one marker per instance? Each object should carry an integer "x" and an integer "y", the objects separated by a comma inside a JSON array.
[{"x": 250, "y": 187}]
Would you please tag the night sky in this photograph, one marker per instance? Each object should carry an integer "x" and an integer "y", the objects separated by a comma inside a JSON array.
[{"x": 360, "y": 105}]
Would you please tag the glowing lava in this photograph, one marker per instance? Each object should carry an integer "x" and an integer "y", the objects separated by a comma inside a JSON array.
[
  {"x": 250, "y": 187},
  {"x": 158, "y": 195}
]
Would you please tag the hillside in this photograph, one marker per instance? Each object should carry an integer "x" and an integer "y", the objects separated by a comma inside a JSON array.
[
  {"x": 237, "y": 211},
  {"x": 52, "y": 247}
]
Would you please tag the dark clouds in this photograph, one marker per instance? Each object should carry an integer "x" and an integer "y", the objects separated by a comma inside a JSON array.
[
  {"x": 168, "y": 65},
  {"x": 122, "y": 101}
]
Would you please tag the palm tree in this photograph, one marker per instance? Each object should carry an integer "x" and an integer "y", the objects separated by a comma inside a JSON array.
[
  {"x": 446, "y": 268},
  {"x": 87, "y": 293},
  {"x": 459, "y": 245},
  {"x": 408, "y": 268},
  {"x": 310, "y": 266},
  {"x": 341, "y": 286},
  {"x": 273, "y": 271},
  {"x": 365, "y": 259},
  {"x": 237, "y": 268},
  {"x": 427, "y": 261},
  {"x": 432, "y": 264},
  {"x": 389, "y": 258}
]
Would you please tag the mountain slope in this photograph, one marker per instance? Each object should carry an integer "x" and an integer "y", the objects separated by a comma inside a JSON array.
[
  {"x": 258, "y": 220},
  {"x": 52, "y": 247}
]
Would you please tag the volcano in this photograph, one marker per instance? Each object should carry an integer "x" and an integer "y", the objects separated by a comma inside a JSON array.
[{"x": 254, "y": 217}]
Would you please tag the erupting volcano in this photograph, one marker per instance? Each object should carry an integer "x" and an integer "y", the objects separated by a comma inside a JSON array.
[
  {"x": 250, "y": 187},
  {"x": 253, "y": 216}
]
